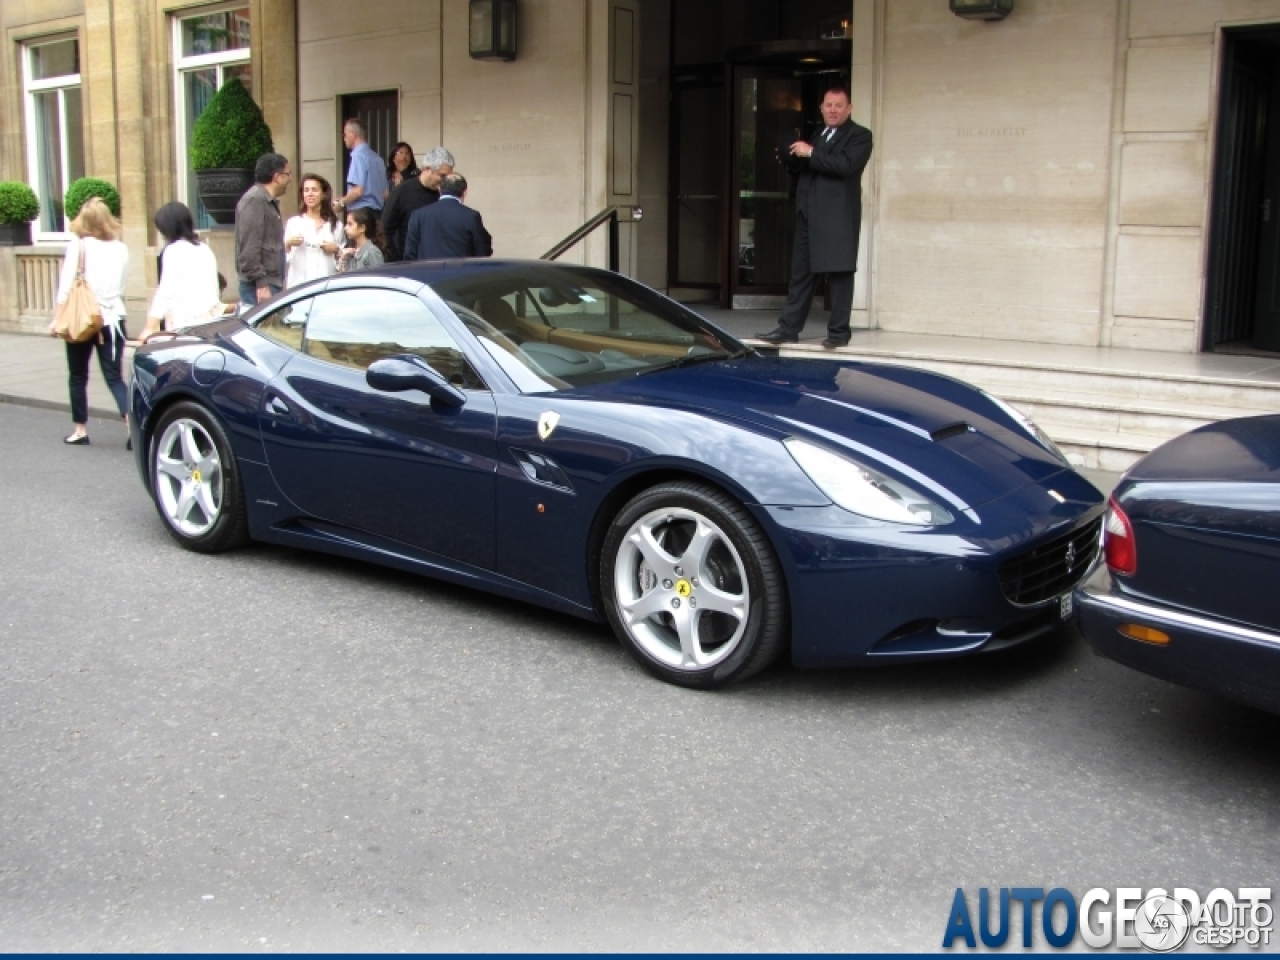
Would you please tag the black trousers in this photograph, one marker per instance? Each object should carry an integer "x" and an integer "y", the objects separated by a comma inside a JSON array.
[
  {"x": 800, "y": 291},
  {"x": 110, "y": 350}
]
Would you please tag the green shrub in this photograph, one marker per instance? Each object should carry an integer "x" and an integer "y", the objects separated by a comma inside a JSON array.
[
  {"x": 231, "y": 131},
  {"x": 18, "y": 203},
  {"x": 86, "y": 188}
]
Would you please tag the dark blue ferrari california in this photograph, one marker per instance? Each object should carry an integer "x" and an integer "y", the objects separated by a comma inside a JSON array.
[
  {"x": 568, "y": 437},
  {"x": 1193, "y": 564}
]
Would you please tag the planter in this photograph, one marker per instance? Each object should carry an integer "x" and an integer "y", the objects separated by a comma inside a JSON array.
[
  {"x": 15, "y": 234},
  {"x": 221, "y": 189}
]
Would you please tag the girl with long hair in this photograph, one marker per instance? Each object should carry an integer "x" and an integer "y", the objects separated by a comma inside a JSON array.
[
  {"x": 188, "y": 291},
  {"x": 96, "y": 239},
  {"x": 364, "y": 233},
  {"x": 314, "y": 237}
]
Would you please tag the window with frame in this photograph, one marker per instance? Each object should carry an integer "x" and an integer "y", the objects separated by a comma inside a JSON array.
[
  {"x": 356, "y": 327},
  {"x": 208, "y": 49},
  {"x": 55, "y": 127}
]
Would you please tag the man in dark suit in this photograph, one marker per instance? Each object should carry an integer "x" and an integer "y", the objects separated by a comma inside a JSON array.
[
  {"x": 828, "y": 218},
  {"x": 447, "y": 229},
  {"x": 414, "y": 194}
]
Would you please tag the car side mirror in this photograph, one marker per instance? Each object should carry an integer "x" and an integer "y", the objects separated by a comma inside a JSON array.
[{"x": 407, "y": 372}]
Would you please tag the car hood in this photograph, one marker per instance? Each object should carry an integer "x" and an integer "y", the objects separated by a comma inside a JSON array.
[{"x": 910, "y": 422}]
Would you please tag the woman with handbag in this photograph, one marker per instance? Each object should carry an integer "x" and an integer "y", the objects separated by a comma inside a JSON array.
[
  {"x": 101, "y": 260},
  {"x": 188, "y": 292}
]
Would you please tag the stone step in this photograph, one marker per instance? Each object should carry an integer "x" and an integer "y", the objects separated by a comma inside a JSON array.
[
  {"x": 1002, "y": 377},
  {"x": 1102, "y": 419}
]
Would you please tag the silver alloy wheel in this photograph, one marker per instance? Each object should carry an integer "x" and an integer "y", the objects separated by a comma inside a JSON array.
[
  {"x": 188, "y": 477},
  {"x": 681, "y": 589}
]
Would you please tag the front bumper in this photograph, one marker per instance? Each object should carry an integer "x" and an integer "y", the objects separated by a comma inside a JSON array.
[
  {"x": 864, "y": 593},
  {"x": 1229, "y": 659}
]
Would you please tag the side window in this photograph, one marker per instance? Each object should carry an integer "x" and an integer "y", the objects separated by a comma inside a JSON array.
[
  {"x": 287, "y": 324},
  {"x": 356, "y": 327}
]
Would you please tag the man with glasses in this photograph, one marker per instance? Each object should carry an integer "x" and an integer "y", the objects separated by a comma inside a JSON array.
[{"x": 260, "y": 231}]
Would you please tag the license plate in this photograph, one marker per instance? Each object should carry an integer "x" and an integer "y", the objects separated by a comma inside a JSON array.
[{"x": 1065, "y": 606}]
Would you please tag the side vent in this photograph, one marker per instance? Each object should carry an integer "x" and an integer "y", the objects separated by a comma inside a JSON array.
[
  {"x": 953, "y": 430},
  {"x": 540, "y": 468}
]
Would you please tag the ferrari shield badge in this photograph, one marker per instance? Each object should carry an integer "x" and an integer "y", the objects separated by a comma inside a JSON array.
[{"x": 547, "y": 424}]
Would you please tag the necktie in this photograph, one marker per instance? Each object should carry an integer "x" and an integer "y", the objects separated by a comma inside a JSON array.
[{"x": 830, "y": 133}]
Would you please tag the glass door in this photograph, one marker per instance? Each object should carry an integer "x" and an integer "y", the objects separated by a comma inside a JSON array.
[
  {"x": 694, "y": 251},
  {"x": 767, "y": 116}
]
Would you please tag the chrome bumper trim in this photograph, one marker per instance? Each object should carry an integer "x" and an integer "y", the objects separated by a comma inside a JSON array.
[{"x": 1125, "y": 605}]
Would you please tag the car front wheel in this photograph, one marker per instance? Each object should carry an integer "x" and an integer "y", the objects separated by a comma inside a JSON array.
[
  {"x": 195, "y": 480},
  {"x": 692, "y": 587}
]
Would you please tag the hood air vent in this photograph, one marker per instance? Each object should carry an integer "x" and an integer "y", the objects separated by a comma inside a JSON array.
[{"x": 953, "y": 430}]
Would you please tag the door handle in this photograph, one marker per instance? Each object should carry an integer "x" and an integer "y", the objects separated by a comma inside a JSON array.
[
  {"x": 278, "y": 407},
  {"x": 1266, "y": 210}
]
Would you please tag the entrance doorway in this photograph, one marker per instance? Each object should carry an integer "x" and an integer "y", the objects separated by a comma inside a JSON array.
[
  {"x": 747, "y": 77},
  {"x": 1243, "y": 303},
  {"x": 777, "y": 92},
  {"x": 380, "y": 114}
]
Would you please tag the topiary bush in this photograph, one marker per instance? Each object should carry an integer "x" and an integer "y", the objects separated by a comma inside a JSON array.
[
  {"x": 18, "y": 203},
  {"x": 231, "y": 131},
  {"x": 85, "y": 189}
]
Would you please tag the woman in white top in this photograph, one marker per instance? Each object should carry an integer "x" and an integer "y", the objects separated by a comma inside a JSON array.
[
  {"x": 106, "y": 262},
  {"x": 188, "y": 292},
  {"x": 313, "y": 238}
]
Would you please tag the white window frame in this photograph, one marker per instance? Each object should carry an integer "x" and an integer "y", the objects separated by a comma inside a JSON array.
[
  {"x": 30, "y": 87},
  {"x": 220, "y": 61}
]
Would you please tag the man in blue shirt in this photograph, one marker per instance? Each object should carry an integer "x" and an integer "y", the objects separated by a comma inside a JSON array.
[{"x": 367, "y": 175}]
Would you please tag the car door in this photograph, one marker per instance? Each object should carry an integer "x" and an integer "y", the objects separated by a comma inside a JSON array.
[{"x": 389, "y": 464}]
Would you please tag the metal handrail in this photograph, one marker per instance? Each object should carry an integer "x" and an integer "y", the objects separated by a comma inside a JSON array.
[{"x": 608, "y": 215}]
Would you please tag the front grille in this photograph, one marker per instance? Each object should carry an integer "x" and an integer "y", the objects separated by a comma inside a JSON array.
[{"x": 1053, "y": 567}]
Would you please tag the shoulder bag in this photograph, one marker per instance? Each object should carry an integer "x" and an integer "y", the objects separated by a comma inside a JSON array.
[{"x": 79, "y": 318}]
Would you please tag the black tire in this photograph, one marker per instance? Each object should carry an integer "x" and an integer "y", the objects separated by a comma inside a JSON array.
[
  {"x": 212, "y": 518},
  {"x": 651, "y": 602}
]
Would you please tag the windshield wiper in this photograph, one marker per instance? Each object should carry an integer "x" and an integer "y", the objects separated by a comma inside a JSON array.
[{"x": 690, "y": 361}]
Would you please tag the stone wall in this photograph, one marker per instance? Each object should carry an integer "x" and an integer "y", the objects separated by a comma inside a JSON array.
[
  {"x": 992, "y": 162},
  {"x": 127, "y": 82},
  {"x": 534, "y": 137},
  {"x": 1046, "y": 177}
]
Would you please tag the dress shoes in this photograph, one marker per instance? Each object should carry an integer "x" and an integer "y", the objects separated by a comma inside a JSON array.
[
  {"x": 778, "y": 335},
  {"x": 832, "y": 344}
]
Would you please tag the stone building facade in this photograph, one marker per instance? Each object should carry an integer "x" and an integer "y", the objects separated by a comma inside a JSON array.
[{"x": 1081, "y": 172}]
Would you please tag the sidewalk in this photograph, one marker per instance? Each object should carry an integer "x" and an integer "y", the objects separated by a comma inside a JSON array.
[{"x": 33, "y": 372}]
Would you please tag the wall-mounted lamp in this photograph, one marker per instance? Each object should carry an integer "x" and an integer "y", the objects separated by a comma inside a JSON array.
[
  {"x": 493, "y": 29},
  {"x": 982, "y": 9}
]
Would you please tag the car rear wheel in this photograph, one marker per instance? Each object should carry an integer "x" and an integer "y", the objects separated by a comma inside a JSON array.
[
  {"x": 195, "y": 481},
  {"x": 692, "y": 587}
]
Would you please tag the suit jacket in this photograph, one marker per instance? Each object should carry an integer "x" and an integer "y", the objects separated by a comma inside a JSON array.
[
  {"x": 445, "y": 230},
  {"x": 411, "y": 195},
  {"x": 829, "y": 195}
]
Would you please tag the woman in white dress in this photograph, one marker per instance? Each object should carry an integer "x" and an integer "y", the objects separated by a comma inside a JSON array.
[
  {"x": 188, "y": 293},
  {"x": 313, "y": 238},
  {"x": 106, "y": 262}
]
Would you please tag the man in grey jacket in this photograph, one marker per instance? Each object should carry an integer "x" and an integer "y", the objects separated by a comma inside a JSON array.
[{"x": 260, "y": 231}]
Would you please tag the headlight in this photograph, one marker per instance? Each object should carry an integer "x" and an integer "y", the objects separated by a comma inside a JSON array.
[
  {"x": 1028, "y": 425},
  {"x": 864, "y": 491}
]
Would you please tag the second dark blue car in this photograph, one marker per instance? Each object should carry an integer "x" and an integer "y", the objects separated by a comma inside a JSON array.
[{"x": 1192, "y": 590}]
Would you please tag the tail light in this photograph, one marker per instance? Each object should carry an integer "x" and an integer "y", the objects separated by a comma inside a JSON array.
[{"x": 1118, "y": 543}]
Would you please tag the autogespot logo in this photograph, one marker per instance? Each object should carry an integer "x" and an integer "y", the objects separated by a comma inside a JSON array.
[{"x": 1127, "y": 918}]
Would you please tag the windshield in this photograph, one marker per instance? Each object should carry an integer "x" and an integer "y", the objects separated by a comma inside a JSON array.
[{"x": 556, "y": 327}]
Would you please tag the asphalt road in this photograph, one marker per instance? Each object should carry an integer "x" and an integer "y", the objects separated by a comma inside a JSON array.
[{"x": 279, "y": 751}]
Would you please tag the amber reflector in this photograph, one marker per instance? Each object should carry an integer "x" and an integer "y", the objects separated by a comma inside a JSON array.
[{"x": 1145, "y": 634}]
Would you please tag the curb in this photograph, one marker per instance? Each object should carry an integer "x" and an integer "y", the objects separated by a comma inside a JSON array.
[{"x": 96, "y": 413}]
